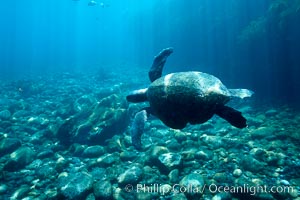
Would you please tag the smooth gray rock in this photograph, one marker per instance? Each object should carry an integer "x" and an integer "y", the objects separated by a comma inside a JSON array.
[
  {"x": 179, "y": 196},
  {"x": 103, "y": 190},
  {"x": 222, "y": 196},
  {"x": 75, "y": 185},
  {"x": 107, "y": 159},
  {"x": 45, "y": 154},
  {"x": 5, "y": 114},
  {"x": 3, "y": 188},
  {"x": 174, "y": 176},
  {"x": 93, "y": 151},
  {"x": 21, "y": 192},
  {"x": 193, "y": 179},
  {"x": 46, "y": 172},
  {"x": 180, "y": 136},
  {"x": 193, "y": 183},
  {"x": 19, "y": 159},
  {"x": 271, "y": 112},
  {"x": 95, "y": 124},
  {"x": 154, "y": 152},
  {"x": 170, "y": 160},
  {"x": 128, "y": 155},
  {"x": 20, "y": 114},
  {"x": 8, "y": 145},
  {"x": 131, "y": 175},
  {"x": 98, "y": 173},
  {"x": 251, "y": 164},
  {"x": 91, "y": 196},
  {"x": 262, "y": 132},
  {"x": 203, "y": 155},
  {"x": 237, "y": 172}
]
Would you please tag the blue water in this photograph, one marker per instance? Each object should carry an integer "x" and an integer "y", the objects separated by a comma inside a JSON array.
[
  {"x": 66, "y": 67},
  {"x": 39, "y": 37}
]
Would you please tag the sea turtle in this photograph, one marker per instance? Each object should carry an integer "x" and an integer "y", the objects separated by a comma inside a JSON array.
[{"x": 183, "y": 97}]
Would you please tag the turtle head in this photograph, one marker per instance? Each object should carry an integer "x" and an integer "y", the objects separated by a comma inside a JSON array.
[{"x": 137, "y": 96}]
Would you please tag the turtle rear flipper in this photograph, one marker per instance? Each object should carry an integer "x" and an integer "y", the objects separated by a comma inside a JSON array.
[
  {"x": 158, "y": 63},
  {"x": 231, "y": 115},
  {"x": 137, "y": 128}
]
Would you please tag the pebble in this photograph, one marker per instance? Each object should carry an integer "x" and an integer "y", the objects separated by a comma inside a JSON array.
[
  {"x": 107, "y": 159},
  {"x": 21, "y": 192},
  {"x": 8, "y": 145},
  {"x": 75, "y": 185},
  {"x": 294, "y": 194},
  {"x": 180, "y": 136},
  {"x": 128, "y": 155},
  {"x": 3, "y": 188},
  {"x": 19, "y": 159},
  {"x": 5, "y": 114},
  {"x": 220, "y": 177},
  {"x": 193, "y": 181},
  {"x": 156, "y": 151},
  {"x": 237, "y": 173},
  {"x": 131, "y": 175},
  {"x": 222, "y": 196},
  {"x": 257, "y": 181},
  {"x": 103, "y": 190},
  {"x": 179, "y": 196},
  {"x": 174, "y": 176},
  {"x": 203, "y": 155},
  {"x": 214, "y": 142},
  {"x": 46, "y": 172},
  {"x": 93, "y": 151},
  {"x": 45, "y": 154},
  {"x": 262, "y": 132},
  {"x": 284, "y": 182},
  {"x": 170, "y": 160},
  {"x": 271, "y": 112},
  {"x": 251, "y": 164},
  {"x": 20, "y": 114}
]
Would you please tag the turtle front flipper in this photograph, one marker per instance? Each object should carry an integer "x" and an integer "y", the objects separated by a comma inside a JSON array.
[
  {"x": 137, "y": 128},
  {"x": 241, "y": 93},
  {"x": 158, "y": 63},
  {"x": 234, "y": 117}
]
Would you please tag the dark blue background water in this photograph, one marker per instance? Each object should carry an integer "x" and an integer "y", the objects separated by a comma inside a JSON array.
[{"x": 47, "y": 36}]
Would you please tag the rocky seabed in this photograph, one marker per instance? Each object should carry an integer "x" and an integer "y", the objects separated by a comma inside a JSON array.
[{"x": 67, "y": 137}]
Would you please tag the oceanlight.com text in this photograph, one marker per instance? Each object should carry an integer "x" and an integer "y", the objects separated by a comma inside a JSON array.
[
  {"x": 212, "y": 188},
  {"x": 252, "y": 190}
]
